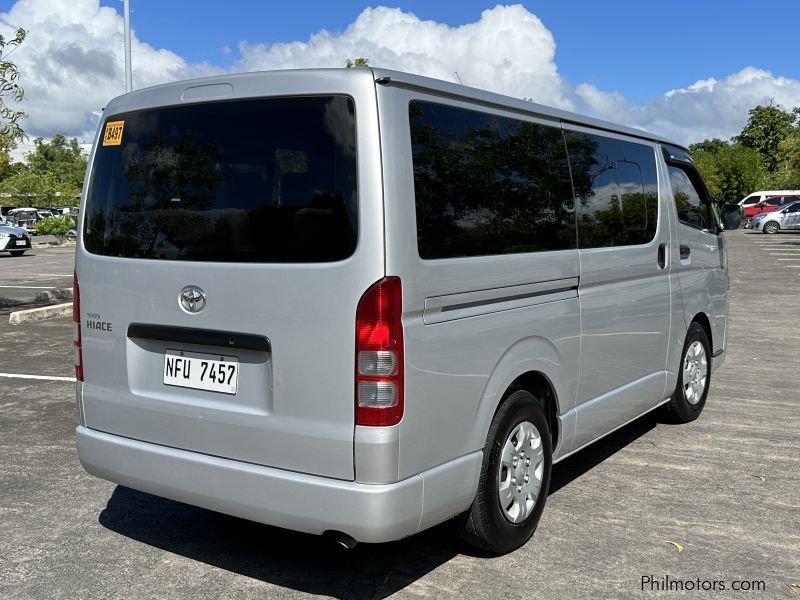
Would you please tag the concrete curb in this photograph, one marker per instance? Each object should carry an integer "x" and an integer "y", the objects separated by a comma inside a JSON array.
[{"x": 40, "y": 314}]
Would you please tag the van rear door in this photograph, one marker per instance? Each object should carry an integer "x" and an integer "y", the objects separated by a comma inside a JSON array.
[{"x": 225, "y": 246}]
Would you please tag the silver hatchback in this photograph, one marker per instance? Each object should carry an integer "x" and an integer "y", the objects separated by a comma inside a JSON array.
[{"x": 787, "y": 217}]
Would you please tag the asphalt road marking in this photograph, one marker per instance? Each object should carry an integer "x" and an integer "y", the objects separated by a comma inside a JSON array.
[{"x": 42, "y": 377}]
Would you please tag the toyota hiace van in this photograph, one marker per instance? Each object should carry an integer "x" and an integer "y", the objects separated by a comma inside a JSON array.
[{"x": 361, "y": 302}]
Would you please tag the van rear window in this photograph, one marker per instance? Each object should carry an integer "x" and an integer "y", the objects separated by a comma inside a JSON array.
[{"x": 265, "y": 180}]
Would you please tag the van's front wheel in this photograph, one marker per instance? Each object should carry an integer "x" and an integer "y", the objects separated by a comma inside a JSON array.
[{"x": 515, "y": 476}]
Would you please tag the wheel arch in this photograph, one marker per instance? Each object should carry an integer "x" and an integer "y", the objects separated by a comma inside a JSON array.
[
  {"x": 703, "y": 320},
  {"x": 540, "y": 387},
  {"x": 534, "y": 365}
]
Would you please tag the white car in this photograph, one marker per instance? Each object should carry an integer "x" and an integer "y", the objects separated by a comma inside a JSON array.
[
  {"x": 14, "y": 240},
  {"x": 784, "y": 218}
]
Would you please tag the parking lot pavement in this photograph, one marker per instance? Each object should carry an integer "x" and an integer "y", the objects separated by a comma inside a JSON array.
[
  {"x": 725, "y": 488},
  {"x": 38, "y": 271},
  {"x": 783, "y": 248}
]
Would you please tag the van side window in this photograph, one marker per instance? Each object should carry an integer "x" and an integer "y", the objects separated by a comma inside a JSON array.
[
  {"x": 487, "y": 185},
  {"x": 692, "y": 210},
  {"x": 617, "y": 190}
]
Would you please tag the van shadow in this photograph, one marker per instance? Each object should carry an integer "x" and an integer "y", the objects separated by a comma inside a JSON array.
[
  {"x": 309, "y": 563},
  {"x": 569, "y": 469},
  {"x": 292, "y": 560}
]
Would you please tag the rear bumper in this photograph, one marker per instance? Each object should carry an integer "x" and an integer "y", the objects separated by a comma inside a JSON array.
[{"x": 307, "y": 503}]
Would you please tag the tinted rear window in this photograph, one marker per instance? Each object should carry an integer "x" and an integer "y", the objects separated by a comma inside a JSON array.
[{"x": 267, "y": 180}]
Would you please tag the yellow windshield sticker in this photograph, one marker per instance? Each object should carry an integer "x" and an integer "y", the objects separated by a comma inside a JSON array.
[{"x": 113, "y": 134}]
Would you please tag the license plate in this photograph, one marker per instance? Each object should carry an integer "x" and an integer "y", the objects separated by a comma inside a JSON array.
[
  {"x": 22, "y": 243},
  {"x": 210, "y": 372}
]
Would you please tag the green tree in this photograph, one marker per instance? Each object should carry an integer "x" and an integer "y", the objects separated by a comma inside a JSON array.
[
  {"x": 39, "y": 190},
  {"x": 7, "y": 168},
  {"x": 10, "y": 90},
  {"x": 767, "y": 126},
  {"x": 356, "y": 62},
  {"x": 52, "y": 176},
  {"x": 706, "y": 161},
  {"x": 61, "y": 159},
  {"x": 731, "y": 173},
  {"x": 787, "y": 172},
  {"x": 712, "y": 145}
]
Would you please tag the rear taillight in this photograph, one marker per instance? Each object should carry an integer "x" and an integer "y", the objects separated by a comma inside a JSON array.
[
  {"x": 76, "y": 325},
  {"x": 379, "y": 354}
]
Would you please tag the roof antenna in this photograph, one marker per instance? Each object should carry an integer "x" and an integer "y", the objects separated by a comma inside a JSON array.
[{"x": 457, "y": 77}]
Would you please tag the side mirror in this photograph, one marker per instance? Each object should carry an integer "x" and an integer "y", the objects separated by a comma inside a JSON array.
[{"x": 731, "y": 216}]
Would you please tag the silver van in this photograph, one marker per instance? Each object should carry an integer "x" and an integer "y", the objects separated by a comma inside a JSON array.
[{"x": 361, "y": 302}]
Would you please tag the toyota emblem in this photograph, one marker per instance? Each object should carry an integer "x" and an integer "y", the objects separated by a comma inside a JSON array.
[{"x": 192, "y": 299}]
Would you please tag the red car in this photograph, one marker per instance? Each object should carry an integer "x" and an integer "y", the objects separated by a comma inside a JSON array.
[{"x": 768, "y": 205}]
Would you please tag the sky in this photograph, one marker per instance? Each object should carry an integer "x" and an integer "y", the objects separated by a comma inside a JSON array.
[{"x": 687, "y": 70}]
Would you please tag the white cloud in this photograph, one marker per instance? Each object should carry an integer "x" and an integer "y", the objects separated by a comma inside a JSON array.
[
  {"x": 72, "y": 64},
  {"x": 508, "y": 50},
  {"x": 707, "y": 108}
]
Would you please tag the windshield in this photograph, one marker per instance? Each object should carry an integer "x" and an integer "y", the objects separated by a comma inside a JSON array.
[{"x": 264, "y": 180}]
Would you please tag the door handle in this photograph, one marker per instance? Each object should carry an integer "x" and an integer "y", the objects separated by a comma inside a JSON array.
[
  {"x": 662, "y": 256},
  {"x": 685, "y": 251}
]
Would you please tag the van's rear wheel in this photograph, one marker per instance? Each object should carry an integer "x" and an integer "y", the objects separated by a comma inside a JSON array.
[
  {"x": 694, "y": 377},
  {"x": 515, "y": 476}
]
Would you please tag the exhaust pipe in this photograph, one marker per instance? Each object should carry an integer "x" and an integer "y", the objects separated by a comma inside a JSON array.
[{"x": 342, "y": 541}]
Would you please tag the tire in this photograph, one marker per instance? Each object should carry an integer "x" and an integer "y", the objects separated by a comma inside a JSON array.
[
  {"x": 771, "y": 227},
  {"x": 17, "y": 252},
  {"x": 688, "y": 400},
  {"x": 487, "y": 525}
]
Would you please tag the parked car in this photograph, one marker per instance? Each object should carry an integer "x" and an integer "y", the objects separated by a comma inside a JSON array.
[
  {"x": 347, "y": 334},
  {"x": 786, "y": 218},
  {"x": 756, "y": 197},
  {"x": 59, "y": 210},
  {"x": 14, "y": 240},
  {"x": 770, "y": 204},
  {"x": 24, "y": 218}
]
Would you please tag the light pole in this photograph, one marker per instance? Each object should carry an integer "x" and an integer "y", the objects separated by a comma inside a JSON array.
[{"x": 126, "y": 10}]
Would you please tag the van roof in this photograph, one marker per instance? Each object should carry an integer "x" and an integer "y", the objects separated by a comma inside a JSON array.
[{"x": 160, "y": 95}]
